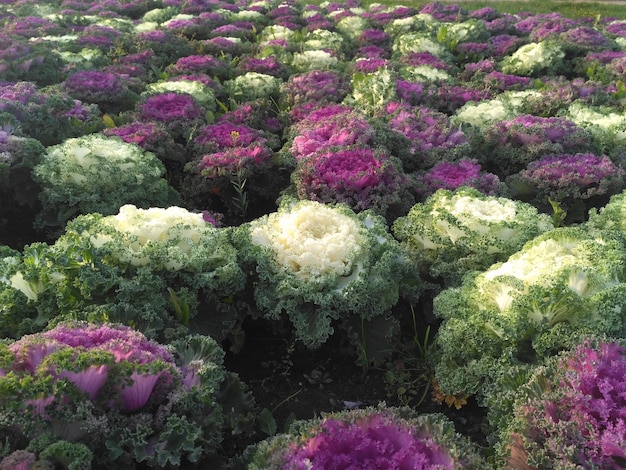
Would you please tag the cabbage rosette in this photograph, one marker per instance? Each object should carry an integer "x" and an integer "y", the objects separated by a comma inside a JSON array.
[
  {"x": 454, "y": 232},
  {"x": 384, "y": 438},
  {"x": 154, "y": 269},
  {"x": 126, "y": 398},
  {"x": 96, "y": 173},
  {"x": 562, "y": 285},
  {"x": 317, "y": 263}
]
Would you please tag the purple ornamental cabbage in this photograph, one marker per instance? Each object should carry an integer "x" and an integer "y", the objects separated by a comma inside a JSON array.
[
  {"x": 31, "y": 27},
  {"x": 234, "y": 180},
  {"x": 617, "y": 28},
  {"x": 372, "y": 52},
  {"x": 232, "y": 160},
  {"x": 169, "y": 107},
  {"x": 374, "y": 37},
  {"x": 506, "y": 82},
  {"x": 569, "y": 179},
  {"x": 89, "y": 356},
  {"x": 375, "y": 442},
  {"x": 485, "y": 14},
  {"x": 150, "y": 136},
  {"x": 410, "y": 92},
  {"x": 258, "y": 115},
  {"x": 220, "y": 45},
  {"x": 267, "y": 65},
  {"x": 551, "y": 28},
  {"x": 503, "y": 44},
  {"x": 186, "y": 27},
  {"x": 203, "y": 64},
  {"x": 446, "y": 13},
  {"x": 379, "y": 17},
  {"x": 578, "y": 421},
  {"x": 224, "y": 135},
  {"x": 585, "y": 38},
  {"x": 370, "y": 65},
  {"x": 98, "y": 36},
  {"x": 453, "y": 175},
  {"x": 315, "y": 86},
  {"x": 415, "y": 59},
  {"x": 447, "y": 98},
  {"x": 102, "y": 88},
  {"x": 357, "y": 176},
  {"x": 429, "y": 133},
  {"x": 329, "y": 126},
  {"x": 48, "y": 117},
  {"x": 381, "y": 438},
  {"x": 528, "y": 23},
  {"x": 122, "y": 396},
  {"x": 318, "y": 21},
  {"x": 179, "y": 112},
  {"x": 508, "y": 146},
  {"x": 473, "y": 51}
]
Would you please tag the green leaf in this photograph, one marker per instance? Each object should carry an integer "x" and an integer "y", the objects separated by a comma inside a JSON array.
[
  {"x": 108, "y": 121},
  {"x": 267, "y": 422},
  {"x": 289, "y": 421}
]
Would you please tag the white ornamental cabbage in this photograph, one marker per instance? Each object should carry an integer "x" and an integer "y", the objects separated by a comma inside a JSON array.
[
  {"x": 534, "y": 58},
  {"x": 310, "y": 241},
  {"x": 252, "y": 86},
  {"x": 308, "y": 61},
  {"x": 317, "y": 263},
  {"x": 141, "y": 230},
  {"x": 454, "y": 232},
  {"x": 96, "y": 173}
]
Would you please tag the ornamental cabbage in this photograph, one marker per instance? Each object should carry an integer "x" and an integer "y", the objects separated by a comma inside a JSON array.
[
  {"x": 359, "y": 177},
  {"x": 611, "y": 216},
  {"x": 561, "y": 285},
  {"x": 384, "y": 438},
  {"x": 308, "y": 61},
  {"x": 154, "y": 269},
  {"x": 508, "y": 146},
  {"x": 430, "y": 134},
  {"x": 322, "y": 39},
  {"x": 252, "y": 86},
  {"x": 48, "y": 117},
  {"x": 453, "y": 175},
  {"x": 576, "y": 182},
  {"x": 315, "y": 86},
  {"x": 232, "y": 178},
  {"x": 370, "y": 92},
  {"x": 454, "y": 232},
  {"x": 607, "y": 127},
  {"x": 95, "y": 173},
  {"x": 179, "y": 112},
  {"x": 319, "y": 263},
  {"x": 534, "y": 59},
  {"x": 202, "y": 93},
  {"x": 570, "y": 413},
  {"x": 125, "y": 398},
  {"x": 106, "y": 89},
  {"x": 332, "y": 125}
]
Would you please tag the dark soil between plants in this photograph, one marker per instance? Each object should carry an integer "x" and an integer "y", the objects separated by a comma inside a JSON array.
[{"x": 291, "y": 382}]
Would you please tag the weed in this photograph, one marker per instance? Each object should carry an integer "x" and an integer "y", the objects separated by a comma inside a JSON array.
[{"x": 410, "y": 374}]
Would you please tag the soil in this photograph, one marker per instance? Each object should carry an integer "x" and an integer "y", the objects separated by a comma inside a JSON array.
[{"x": 292, "y": 382}]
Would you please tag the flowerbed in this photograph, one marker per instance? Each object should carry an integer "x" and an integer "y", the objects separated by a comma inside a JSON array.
[{"x": 431, "y": 197}]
